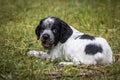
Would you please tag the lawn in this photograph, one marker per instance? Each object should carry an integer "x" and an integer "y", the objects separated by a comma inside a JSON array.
[{"x": 19, "y": 18}]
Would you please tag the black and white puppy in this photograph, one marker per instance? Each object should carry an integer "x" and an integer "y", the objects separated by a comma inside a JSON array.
[{"x": 60, "y": 40}]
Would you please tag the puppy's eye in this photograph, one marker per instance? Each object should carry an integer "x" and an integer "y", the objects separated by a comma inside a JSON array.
[
  {"x": 42, "y": 29},
  {"x": 54, "y": 30}
]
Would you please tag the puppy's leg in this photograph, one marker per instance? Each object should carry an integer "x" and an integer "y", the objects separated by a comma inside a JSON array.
[
  {"x": 38, "y": 54},
  {"x": 65, "y": 63},
  {"x": 74, "y": 62},
  {"x": 69, "y": 63}
]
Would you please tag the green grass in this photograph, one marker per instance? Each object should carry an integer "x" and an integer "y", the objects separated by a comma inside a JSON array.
[{"x": 19, "y": 18}]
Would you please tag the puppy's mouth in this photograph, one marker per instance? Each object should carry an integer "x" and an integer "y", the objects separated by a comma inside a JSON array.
[{"x": 47, "y": 44}]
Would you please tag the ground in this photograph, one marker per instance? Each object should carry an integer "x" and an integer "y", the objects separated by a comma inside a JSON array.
[{"x": 19, "y": 18}]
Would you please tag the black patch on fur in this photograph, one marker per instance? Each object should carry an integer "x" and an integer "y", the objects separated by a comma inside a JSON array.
[
  {"x": 92, "y": 49},
  {"x": 65, "y": 30},
  {"x": 78, "y": 37},
  {"x": 85, "y": 36},
  {"x": 56, "y": 27},
  {"x": 39, "y": 29}
]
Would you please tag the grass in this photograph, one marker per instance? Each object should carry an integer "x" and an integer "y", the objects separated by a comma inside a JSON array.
[{"x": 18, "y": 20}]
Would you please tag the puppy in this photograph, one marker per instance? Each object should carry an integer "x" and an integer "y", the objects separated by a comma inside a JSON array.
[{"x": 62, "y": 40}]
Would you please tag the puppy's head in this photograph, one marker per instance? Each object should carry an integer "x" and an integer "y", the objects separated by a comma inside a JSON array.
[{"x": 52, "y": 30}]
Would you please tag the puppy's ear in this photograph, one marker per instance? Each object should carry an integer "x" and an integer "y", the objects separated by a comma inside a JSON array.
[
  {"x": 37, "y": 31},
  {"x": 66, "y": 32}
]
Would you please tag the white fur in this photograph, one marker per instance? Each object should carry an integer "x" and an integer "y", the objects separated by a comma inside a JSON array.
[
  {"x": 48, "y": 21},
  {"x": 73, "y": 49}
]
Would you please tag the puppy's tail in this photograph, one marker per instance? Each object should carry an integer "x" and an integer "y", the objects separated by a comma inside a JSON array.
[
  {"x": 102, "y": 59},
  {"x": 99, "y": 57}
]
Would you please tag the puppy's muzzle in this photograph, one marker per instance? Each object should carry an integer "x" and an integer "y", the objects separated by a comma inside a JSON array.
[
  {"x": 46, "y": 41},
  {"x": 45, "y": 37}
]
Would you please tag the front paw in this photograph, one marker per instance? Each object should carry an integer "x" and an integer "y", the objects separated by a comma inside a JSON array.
[{"x": 35, "y": 53}]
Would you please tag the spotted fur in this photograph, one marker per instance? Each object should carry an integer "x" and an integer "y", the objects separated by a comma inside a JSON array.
[{"x": 60, "y": 40}]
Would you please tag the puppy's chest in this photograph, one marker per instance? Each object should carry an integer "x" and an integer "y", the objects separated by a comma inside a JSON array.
[{"x": 57, "y": 51}]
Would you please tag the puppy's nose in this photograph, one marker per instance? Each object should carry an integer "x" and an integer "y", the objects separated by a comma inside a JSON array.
[{"x": 45, "y": 36}]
